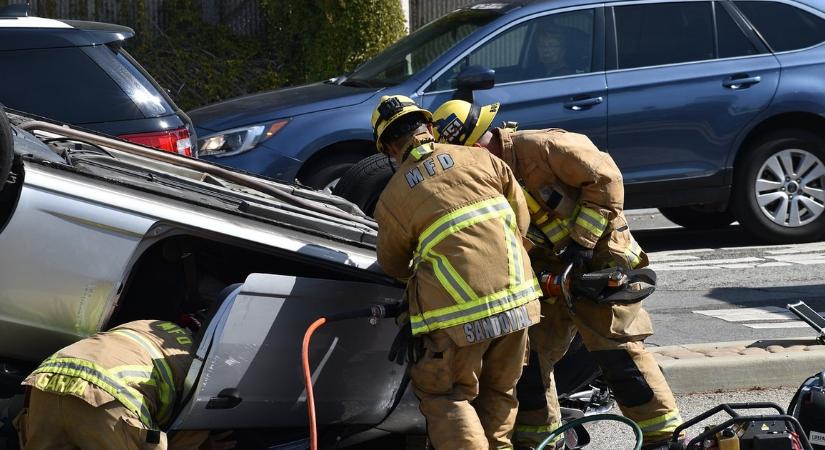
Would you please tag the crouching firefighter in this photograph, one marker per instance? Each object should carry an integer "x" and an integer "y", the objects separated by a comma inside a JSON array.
[
  {"x": 113, "y": 390},
  {"x": 575, "y": 196},
  {"x": 451, "y": 222}
]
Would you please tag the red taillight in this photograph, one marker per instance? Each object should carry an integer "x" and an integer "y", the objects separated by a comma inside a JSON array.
[{"x": 175, "y": 141}]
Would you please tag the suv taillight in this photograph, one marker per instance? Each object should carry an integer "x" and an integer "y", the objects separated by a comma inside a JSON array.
[{"x": 175, "y": 141}]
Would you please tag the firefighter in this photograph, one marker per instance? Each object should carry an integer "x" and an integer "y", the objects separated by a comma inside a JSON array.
[
  {"x": 114, "y": 390},
  {"x": 451, "y": 222},
  {"x": 576, "y": 199}
]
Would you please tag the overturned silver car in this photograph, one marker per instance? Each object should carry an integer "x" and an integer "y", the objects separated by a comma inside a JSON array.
[{"x": 95, "y": 232}]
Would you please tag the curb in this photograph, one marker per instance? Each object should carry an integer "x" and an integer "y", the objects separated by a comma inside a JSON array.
[{"x": 727, "y": 366}]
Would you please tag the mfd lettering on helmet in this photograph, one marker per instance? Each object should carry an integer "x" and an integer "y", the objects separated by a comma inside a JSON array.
[{"x": 428, "y": 167}]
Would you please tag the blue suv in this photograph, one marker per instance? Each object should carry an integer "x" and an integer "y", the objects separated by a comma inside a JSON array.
[{"x": 714, "y": 110}]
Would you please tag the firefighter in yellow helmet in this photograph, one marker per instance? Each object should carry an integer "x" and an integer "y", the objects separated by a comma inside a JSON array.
[
  {"x": 451, "y": 222},
  {"x": 576, "y": 198},
  {"x": 114, "y": 390}
]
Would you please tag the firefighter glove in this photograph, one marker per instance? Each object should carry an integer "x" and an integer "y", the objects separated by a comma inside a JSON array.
[
  {"x": 406, "y": 347},
  {"x": 577, "y": 254}
]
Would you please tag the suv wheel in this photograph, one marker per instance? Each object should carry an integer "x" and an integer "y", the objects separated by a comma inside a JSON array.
[
  {"x": 779, "y": 190},
  {"x": 6, "y": 148},
  {"x": 363, "y": 182},
  {"x": 325, "y": 173},
  {"x": 696, "y": 218}
]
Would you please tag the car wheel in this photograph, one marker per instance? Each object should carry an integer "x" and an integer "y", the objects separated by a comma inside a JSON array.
[
  {"x": 6, "y": 148},
  {"x": 363, "y": 182},
  {"x": 779, "y": 187},
  {"x": 324, "y": 173},
  {"x": 695, "y": 218}
]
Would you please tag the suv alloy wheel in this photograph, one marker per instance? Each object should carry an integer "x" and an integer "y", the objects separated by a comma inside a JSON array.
[{"x": 779, "y": 192}]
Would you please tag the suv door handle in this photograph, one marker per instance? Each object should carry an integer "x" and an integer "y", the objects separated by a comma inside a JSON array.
[
  {"x": 741, "y": 81},
  {"x": 578, "y": 103},
  {"x": 227, "y": 399}
]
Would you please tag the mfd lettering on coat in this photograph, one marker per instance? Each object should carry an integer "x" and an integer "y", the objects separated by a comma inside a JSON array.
[
  {"x": 416, "y": 174},
  {"x": 497, "y": 325}
]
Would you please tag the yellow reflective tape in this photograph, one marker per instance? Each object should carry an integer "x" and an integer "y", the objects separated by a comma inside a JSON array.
[
  {"x": 535, "y": 434},
  {"x": 421, "y": 151},
  {"x": 450, "y": 280},
  {"x": 100, "y": 377},
  {"x": 166, "y": 385},
  {"x": 665, "y": 423},
  {"x": 512, "y": 253},
  {"x": 556, "y": 231},
  {"x": 495, "y": 303},
  {"x": 532, "y": 205},
  {"x": 591, "y": 221},
  {"x": 633, "y": 253},
  {"x": 459, "y": 219}
]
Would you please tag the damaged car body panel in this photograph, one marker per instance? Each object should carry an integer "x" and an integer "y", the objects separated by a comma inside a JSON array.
[
  {"x": 267, "y": 316},
  {"x": 96, "y": 232}
]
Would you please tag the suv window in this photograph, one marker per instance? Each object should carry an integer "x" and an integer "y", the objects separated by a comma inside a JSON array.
[
  {"x": 785, "y": 27},
  {"x": 62, "y": 84},
  {"x": 550, "y": 46},
  {"x": 732, "y": 40},
  {"x": 665, "y": 33}
]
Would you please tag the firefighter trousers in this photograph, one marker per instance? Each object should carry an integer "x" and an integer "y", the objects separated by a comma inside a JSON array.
[
  {"x": 614, "y": 335},
  {"x": 467, "y": 394}
]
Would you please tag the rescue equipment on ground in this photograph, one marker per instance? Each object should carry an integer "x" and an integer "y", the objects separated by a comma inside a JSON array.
[
  {"x": 808, "y": 406},
  {"x": 746, "y": 432}
]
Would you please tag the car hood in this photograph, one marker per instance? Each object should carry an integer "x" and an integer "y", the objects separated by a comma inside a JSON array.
[{"x": 277, "y": 104}]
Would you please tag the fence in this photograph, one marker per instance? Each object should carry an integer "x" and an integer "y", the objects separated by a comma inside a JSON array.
[{"x": 241, "y": 16}]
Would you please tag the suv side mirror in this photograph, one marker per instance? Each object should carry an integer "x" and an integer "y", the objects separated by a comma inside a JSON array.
[{"x": 473, "y": 78}]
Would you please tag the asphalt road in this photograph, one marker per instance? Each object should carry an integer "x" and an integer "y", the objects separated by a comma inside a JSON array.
[{"x": 724, "y": 285}]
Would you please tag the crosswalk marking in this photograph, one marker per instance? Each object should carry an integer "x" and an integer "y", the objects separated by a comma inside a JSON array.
[
  {"x": 729, "y": 258},
  {"x": 767, "y": 317}
]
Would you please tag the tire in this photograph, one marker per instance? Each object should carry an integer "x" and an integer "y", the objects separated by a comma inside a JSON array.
[
  {"x": 324, "y": 173},
  {"x": 779, "y": 187},
  {"x": 363, "y": 182},
  {"x": 695, "y": 218},
  {"x": 6, "y": 148}
]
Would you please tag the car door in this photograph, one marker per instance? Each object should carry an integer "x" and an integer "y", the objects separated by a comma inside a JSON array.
[
  {"x": 247, "y": 370},
  {"x": 549, "y": 72},
  {"x": 684, "y": 79}
]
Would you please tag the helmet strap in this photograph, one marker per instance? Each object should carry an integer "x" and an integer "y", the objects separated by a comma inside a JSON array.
[{"x": 470, "y": 123}]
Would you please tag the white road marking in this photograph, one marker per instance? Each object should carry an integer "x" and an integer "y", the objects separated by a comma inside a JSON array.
[
  {"x": 774, "y": 326},
  {"x": 759, "y": 256},
  {"x": 780, "y": 317}
]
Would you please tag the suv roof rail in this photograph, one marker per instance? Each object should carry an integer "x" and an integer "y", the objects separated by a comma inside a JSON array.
[{"x": 17, "y": 10}]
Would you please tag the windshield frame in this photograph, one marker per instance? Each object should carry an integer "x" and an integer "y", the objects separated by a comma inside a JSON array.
[{"x": 378, "y": 64}]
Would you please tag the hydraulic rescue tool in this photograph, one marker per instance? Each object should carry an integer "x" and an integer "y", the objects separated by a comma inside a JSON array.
[
  {"x": 612, "y": 285},
  {"x": 808, "y": 404},
  {"x": 746, "y": 432}
]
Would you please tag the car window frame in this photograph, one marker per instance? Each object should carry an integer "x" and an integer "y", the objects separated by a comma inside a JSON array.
[
  {"x": 802, "y": 6},
  {"x": 612, "y": 50},
  {"x": 599, "y": 46}
]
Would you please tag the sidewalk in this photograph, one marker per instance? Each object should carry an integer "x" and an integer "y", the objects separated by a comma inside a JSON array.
[{"x": 726, "y": 366}]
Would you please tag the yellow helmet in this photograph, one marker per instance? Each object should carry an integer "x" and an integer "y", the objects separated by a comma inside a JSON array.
[
  {"x": 462, "y": 123},
  {"x": 390, "y": 109}
]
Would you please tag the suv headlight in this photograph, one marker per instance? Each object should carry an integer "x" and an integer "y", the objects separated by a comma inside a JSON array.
[{"x": 238, "y": 140}]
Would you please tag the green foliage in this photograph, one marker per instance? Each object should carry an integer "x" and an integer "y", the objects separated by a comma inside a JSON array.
[
  {"x": 323, "y": 38},
  {"x": 200, "y": 63}
]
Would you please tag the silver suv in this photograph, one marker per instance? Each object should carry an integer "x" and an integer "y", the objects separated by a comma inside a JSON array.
[{"x": 95, "y": 231}]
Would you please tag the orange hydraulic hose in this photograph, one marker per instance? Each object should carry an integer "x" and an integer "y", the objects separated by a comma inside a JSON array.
[{"x": 313, "y": 432}]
